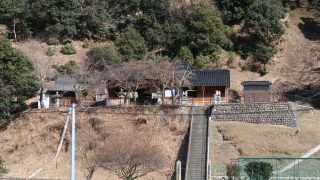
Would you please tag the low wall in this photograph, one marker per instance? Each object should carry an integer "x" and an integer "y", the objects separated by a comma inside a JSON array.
[{"x": 277, "y": 113}]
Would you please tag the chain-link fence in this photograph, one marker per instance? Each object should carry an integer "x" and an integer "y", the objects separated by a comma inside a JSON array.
[{"x": 282, "y": 168}]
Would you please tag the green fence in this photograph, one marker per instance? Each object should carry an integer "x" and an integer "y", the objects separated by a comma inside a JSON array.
[{"x": 282, "y": 168}]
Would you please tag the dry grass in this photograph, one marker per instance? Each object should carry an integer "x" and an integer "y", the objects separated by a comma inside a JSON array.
[
  {"x": 260, "y": 140},
  {"x": 32, "y": 139}
]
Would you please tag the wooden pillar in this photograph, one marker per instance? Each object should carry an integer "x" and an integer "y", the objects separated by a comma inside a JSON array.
[
  {"x": 226, "y": 94},
  {"x": 203, "y": 89}
]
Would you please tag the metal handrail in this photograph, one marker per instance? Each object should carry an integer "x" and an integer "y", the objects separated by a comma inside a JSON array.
[{"x": 191, "y": 122}]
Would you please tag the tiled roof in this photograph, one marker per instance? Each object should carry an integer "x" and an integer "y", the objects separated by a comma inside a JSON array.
[
  {"x": 67, "y": 80},
  {"x": 214, "y": 77},
  {"x": 256, "y": 83},
  {"x": 62, "y": 87}
]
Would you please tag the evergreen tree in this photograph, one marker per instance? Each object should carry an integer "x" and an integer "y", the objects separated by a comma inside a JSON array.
[
  {"x": 64, "y": 13},
  {"x": 17, "y": 83},
  {"x": 205, "y": 31},
  {"x": 233, "y": 11},
  {"x": 100, "y": 56},
  {"x": 131, "y": 45},
  {"x": 262, "y": 21},
  {"x": 158, "y": 10},
  {"x": 186, "y": 55},
  {"x": 176, "y": 38}
]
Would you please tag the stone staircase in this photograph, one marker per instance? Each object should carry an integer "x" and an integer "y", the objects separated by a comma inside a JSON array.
[
  {"x": 278, "y": 113},
  {"x": 197, "y": 150}
]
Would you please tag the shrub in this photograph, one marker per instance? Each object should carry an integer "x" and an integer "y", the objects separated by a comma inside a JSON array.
[
  {"x": 100, "y": 56},
  {"x": 201, "y": 61},
  {"x": 264, "y": 53},
  {"x": 232, "y": 170},
  {"x": 264, "y": 70},
  {"x": 231, "y": 59},
  {"x": 219, "y": 63},
  {"x": 87, "y": 43},
  {"x": 287, "y": 24},
  {"x": 68, "y": 49},
  {"x": 186, "y": 55},
  {"x": 50, "y": 51},
  {"x": 69, "y": 68},
  {"x": 247, "y": 64},
  {"x": 3, "y": 170},
  {"x": 53, "y": 41},
  {"x": 259, "y": 170}
]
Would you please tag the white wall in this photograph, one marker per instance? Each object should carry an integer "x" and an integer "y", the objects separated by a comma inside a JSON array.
[{"x": 46, "y": 100}]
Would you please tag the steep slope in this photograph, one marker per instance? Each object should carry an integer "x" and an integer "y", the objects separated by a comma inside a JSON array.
[{"x": 32, "y": 139}]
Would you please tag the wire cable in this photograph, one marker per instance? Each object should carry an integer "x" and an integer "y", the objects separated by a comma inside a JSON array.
[{"x": 58, "y": 149}]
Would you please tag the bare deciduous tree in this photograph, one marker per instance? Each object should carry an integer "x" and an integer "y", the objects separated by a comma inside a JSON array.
[
  {"x": 131, "y": 155},
  {"x": 85, "y": 80},
  {"x": 170, "y": 75},
  {"x": 42, "y": 70},
  {"x": 87, "y": 143},
  {"x": 129, "y": 75}
]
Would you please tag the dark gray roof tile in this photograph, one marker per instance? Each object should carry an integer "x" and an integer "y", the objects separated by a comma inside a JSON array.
[
  {"x": 212, "y": 77},
  {"x": 256, "y": 83},
  {"x": 62, "y": 87}
]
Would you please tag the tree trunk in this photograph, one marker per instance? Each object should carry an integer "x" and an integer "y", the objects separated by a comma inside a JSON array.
[
  {"x": 90, "y": 173},
  {"x": 78, "y": 98},
  {"x": 172, "y": 97},
  {"x": 163, "y": 95},
  {"x": 14, "y": 31},
  {"x": 41, "y": 98}
]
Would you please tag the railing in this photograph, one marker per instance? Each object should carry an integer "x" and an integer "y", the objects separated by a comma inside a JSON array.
[
  {"x": 186, "y": 172},
  {"x": 208, "y": 114},
  {"x": 204, "y": 101}
]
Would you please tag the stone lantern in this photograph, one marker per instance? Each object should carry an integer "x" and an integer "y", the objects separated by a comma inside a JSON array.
[
  {"x": 121, "y": 93},
  {"x": 56, "y": 99}
]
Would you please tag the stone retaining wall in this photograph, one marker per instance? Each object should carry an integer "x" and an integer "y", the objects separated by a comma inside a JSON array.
[{"x": 277, "y": 113}]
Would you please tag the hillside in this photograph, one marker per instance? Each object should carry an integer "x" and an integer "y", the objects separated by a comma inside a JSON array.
[{"x": 32, "y": 139}]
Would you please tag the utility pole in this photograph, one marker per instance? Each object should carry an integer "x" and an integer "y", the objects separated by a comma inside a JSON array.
[{"x": 73, "y": 142}]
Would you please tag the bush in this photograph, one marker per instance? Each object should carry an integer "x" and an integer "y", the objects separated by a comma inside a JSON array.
[
  {"x": 100, "y": 56},
  {"x": 53, "y": 41},
  {"x": 3, "y": 170},
  {"x": 232, "y": 170},
  {"x": 87, "y": 43},
  {"x": 219, "y": 63},
  {"x": 231, "y": 59},
  {"x": 201, "y": 61},
  {"x": 186, "y": 55},
  {"x": 50, "y": 51},
  {"x": 259, "y": 170},
  {"x": 264, "y": 70},
  {"x": 287, "y": 24},
  {"x": 247, "y": 65},
  {"x": 264, "y": 53},
  {"x": 69, "y": 68},
  {"x": 68, "y": 49}
]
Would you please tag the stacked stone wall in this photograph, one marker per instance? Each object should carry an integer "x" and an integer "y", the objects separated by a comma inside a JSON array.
[{"x": 278, "y": 113}]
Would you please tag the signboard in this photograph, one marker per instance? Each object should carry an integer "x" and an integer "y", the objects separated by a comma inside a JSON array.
[{"x": 101, "y": 97}]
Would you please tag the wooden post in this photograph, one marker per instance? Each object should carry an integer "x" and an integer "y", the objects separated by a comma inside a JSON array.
[{"x": 203, "y": 89}]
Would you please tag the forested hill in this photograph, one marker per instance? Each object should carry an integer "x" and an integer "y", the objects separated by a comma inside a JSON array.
[
  {"x": 192, "y": 31},
  {"x": 239, "y": 34}
]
